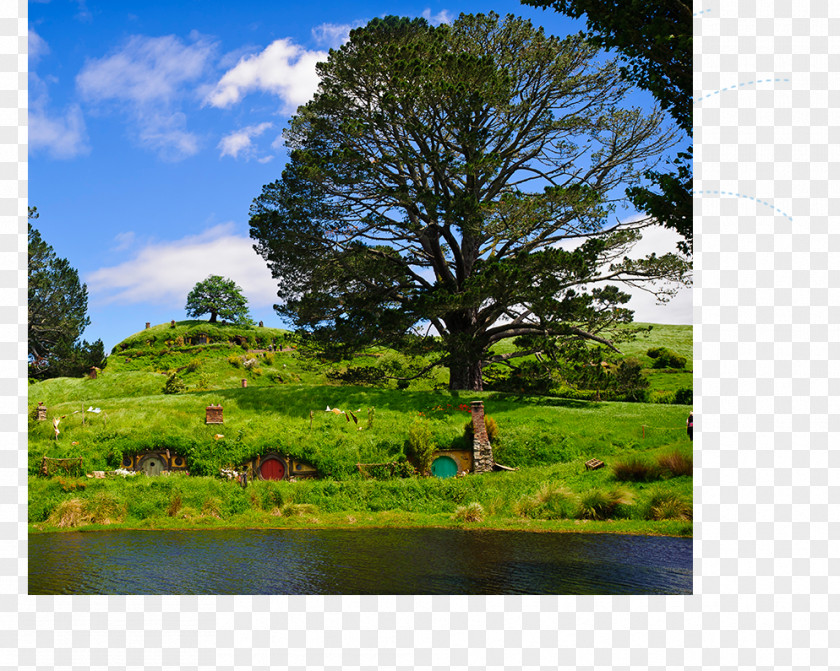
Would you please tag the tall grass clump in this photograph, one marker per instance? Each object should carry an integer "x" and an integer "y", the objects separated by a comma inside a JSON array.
[
  {"x": 635, "y": 470},
  {"x": 472, "y": 512},
  {"x": 676, "y": 463},
  {"x": 550, "y": 502},
  {"x": 103, "y": 508},
  {"x": 662, "y": 505},
  {"x": 600, "y": 504}
]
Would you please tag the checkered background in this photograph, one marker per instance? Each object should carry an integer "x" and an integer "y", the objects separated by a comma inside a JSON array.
[{"x": 766, "y": 321}]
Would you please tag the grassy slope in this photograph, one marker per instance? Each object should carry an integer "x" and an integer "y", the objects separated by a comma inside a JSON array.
[{"x": 546, "y": 438}]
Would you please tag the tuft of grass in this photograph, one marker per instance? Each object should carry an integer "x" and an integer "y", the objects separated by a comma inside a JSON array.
[
  {"x": 100, "y": 509},
  {"x": 70, "y": 513},
  {"x": 212, "y": 507},
  {"x": 296, "y": 510},
  {"x": 635, "y": 470},
  {"x": 174, "y": 504},
  {"x": 600, "y": 504},
  {"x": 668, "y": 506},
  {"x": 472, "y": 512},
  {"x": 550, "y": 502},
  {"x": 677, "y": 463}
]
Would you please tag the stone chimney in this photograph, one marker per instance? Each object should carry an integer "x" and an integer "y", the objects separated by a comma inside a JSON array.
[
  {"x": 148, "y": 324},
  {"x": 482, "y": 451}
]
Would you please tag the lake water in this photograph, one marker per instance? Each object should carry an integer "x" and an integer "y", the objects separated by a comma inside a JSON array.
[{"x": 363, "y": 561}]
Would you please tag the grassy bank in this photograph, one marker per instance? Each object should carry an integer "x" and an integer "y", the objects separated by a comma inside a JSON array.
[
  {"x": 562, "y": 497},
  {"x": 646, "y": 487}
]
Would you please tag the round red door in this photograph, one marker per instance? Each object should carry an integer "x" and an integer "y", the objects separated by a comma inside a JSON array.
[{"x": 272, "y": 469}]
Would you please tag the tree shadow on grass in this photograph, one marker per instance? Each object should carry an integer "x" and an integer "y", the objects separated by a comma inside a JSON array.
[{"x": 299, "y": 400}]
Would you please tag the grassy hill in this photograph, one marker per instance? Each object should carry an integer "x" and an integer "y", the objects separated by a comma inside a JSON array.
[{"x": 283, "y": 408}]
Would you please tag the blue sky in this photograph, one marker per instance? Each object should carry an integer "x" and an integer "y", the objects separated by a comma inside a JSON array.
[{"x": 153, "y": 125}]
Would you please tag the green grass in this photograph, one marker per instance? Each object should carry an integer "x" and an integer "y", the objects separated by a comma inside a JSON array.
[{"x": 546, "y": 438}]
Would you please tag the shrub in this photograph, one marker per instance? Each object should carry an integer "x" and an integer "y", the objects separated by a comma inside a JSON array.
[
  {"x": 635, "y": 470},
  {"x": 630, "y": 380},
  {"x": 193, "y": 365},
  {"x": 684, "y": 396},
  {"x": 235, "y": 361},
  {"x": 472, "y": 512},
  {"x": 269, "y": 358},
  {"x": 598, "y": 504},
  {"x": 421, "y": 447},
  {"x": 676, "y": 463},
  {"x": 174, "y": 385},
  {"x": 666, "y": 358}
]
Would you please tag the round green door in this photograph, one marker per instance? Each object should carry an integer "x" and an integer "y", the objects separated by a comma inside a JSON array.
[
  {"x": 444, "y": 467},
  {"x": 152, "y": 465}
]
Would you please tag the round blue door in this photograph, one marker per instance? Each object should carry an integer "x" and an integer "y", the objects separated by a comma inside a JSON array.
[{"x": 444, "y": 467}]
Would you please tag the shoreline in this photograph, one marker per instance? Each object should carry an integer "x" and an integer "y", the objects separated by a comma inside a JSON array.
[{"x": 667, "y": 528}]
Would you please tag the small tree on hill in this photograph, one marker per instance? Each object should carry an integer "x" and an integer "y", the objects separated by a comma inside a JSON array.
[{"x": 219, "y": 296}]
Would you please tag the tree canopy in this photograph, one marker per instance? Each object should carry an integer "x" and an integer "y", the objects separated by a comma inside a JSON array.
[
  {"x": 655, "y": 39},
  {"x": 57, "y": 313},
  {"x": 459, "y": 179},
  {"x": 219, "y": 296}
]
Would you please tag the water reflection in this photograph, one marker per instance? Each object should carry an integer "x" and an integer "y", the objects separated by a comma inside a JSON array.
[{"x": 364, "y": 561}]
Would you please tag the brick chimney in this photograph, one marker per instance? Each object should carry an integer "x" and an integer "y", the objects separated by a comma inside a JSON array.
[{"x": 482, "y": 451}]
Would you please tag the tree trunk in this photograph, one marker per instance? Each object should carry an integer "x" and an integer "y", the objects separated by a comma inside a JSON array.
[
  {"x": 212, "y": 317},
  {"x": 466, "y": 376}
]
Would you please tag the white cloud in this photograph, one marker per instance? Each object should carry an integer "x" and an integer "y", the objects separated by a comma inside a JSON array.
[
  {"x": 123, "y": 241},
  {"x": 239, "y": 142},
  {"x": 333, "y": 34},
  {"x": 442, "y": 16},
  {"x": 37, "y": 46},
  {"x": 283, "y": 68},
  {"x": 146, "y": 70},
  {"x": 680, "y": 308},
  {"x": 165, "y": 272},
  {"x": 60, "y": 135},
  {"x": 147, "y": 79}
]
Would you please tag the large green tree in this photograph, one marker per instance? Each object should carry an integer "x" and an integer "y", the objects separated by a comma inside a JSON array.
[
  {"x": 459, "y": 179},
  {"x": 57, "y": 311},
  {"x": 654, "y": 38},
  {"x": 219, "y": 296}
]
